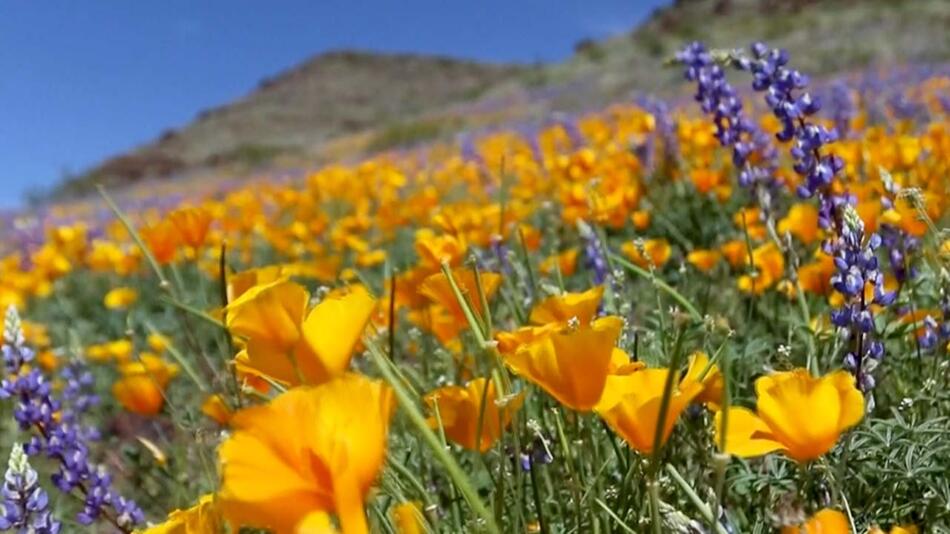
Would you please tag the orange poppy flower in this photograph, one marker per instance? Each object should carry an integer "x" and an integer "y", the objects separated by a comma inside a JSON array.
[
  {"x": 657, "y": 250},
  {"x": 162, "y": 240},
  {"x": 292, "y": 345},
  {"x": 192, "y": 225},
  {"x": 561, "y": 308},
  {"x": 321, "y": 447},
  {"x": 461, "y": 407},
  {"x": 571, "y": 364}
]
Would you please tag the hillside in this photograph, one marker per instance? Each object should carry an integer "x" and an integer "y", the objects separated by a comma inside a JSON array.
[
  {"x": 346, "y": 103},
  {"x": 331, "y": 95}
]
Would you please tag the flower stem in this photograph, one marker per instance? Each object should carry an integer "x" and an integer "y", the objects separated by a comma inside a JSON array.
[
  {"x": 455, "y": 472},
  {"x": 668, "y": 289}
]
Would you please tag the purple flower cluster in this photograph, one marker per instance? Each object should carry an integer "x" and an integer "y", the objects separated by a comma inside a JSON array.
[
  {"x": 734, "y": 129},
  {"x": 25, "y": 505},
  {"x": 78, "y": 398},
  {"x": 63, "y": 438},
  {"x": 900, "y": 246},
  {"x": 842, "y": 108},
  {"x": 781, "y": 85},
  {"x": 857, "y": 266},
  {"x": 594, "y": 257}
]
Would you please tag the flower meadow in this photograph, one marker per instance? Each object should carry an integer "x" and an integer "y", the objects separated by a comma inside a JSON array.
[{"x": 720, "y": 314}]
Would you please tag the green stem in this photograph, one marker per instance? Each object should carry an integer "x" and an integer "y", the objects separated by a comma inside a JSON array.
[
  {"x": 694, "y": 498},
  {"x": 624, "y": 526},
  {"x": 542, "y": 523},
  {"x": 156, "y": 268},
  {"x": 431, "y": 440},
  {"x": 654, "y": 490},
  {"x": 473, "y": 321},
  {"x": 182, "y": 361},
  {"x": 668, "y": 289}
]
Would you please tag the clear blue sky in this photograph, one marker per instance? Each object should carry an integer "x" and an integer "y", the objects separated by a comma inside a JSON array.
[{"x": 80, "y": 81}]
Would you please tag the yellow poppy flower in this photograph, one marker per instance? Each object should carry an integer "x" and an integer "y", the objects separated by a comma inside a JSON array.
[
  {"x": 460, "y": 408},
  {"x": 801, "y": 221},
  {"x": 815, "y": 277},
  {"x": 704, "y": 260},
  {"x": 162, "y": 241},
  {"x": 139, "y": 394},
  {"x": 434, "y": 249},
  {"x": 735, "y": 252},
  {"x": 572, "y": 364},
  {"x": 509, "y": 342},
  {"x": 641, "y": 219},
  {"x": 657, "y": 250},
  {"x": 192, "y": 225},
  {"x": 215, "y": 408},
  {"x": 321, "y": 447},
  {"x": 120, "y": 298},
  {"x": 711, "y": 382},
  {"x": 202, "y": 518},
  {"x": 769, "y": 266},
  {"x": 407, "y": 518},
  {"x": 799, "y": 414},
  {"x": 151, "y": 365},
  {"x": 896, "y": 529},
  {"x": 284, "y": 345},
  {"x": 141, "y": 387},
  {"x": 826, "y": 521},
  {"x": 566, "y": 262},
  {"x": 119, "y": 350},
  {"x": 157, "y": 342},
  {"x": 630, "y": 404},
  {"x": 561, "y": 308},
  {"x": 316, "y": 523},
  {"x": 240, "y": 282}
]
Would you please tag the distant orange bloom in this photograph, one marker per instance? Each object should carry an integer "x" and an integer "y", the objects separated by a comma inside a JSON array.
[
  {"x": 141, "y": 387},
  {"x": 655, "y": 252},
  {"x": 565, "y": 261},
  {"x": 192, "y": 225},
  {"x": 641, "y": 219},
  {"x": 704, "y": 260},
  {"x": 801, "y": 221},
  {"x": 162, "y": 240}
]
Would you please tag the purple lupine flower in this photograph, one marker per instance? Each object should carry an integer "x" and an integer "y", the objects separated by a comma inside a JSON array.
[
  {"x": 856, "y": 267},
  {"x": 594, "y": 256},
  {"x": 25, "y": 505},
  {"x": 62, "y": 439},
  {"x": 905, "y": 108},
  {"x": 782, "y": 86},
  {"x": 78, "y": 398},
  {"x": 842, "y": 108},
  {"x": 899, "y": 246},
  {"x": 734, "y": 129}
]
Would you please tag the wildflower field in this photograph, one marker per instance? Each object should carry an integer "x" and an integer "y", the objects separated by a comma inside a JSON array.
[{"x": 722, "y": 314}]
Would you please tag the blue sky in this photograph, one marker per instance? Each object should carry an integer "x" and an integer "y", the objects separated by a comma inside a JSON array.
[{"x": 80, "y": 81}]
